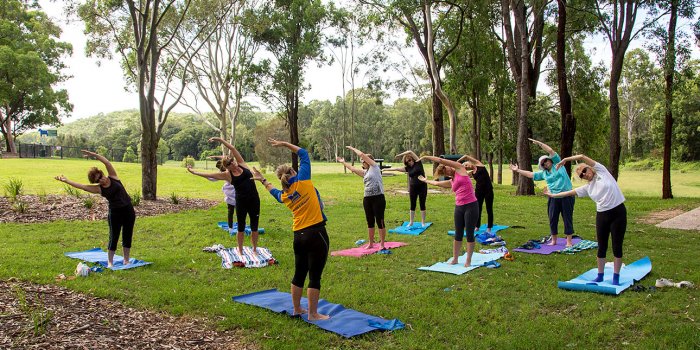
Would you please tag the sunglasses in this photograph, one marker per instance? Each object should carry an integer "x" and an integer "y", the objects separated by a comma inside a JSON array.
[{"x": 583, "y": 172}]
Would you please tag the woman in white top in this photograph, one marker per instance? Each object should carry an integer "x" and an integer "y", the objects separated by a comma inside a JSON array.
[
  {"x": 374, "y": 201},
  {"x": 611, "y": 217}
]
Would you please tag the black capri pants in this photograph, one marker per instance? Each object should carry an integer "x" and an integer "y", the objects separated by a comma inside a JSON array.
[
  {"x": 311, "y": 247},
  {"x": 121, "y": 219},
  {"x": 248, "y": 207},
  {"x": 465, "y": 219},
  {"x": 613, "y": 223},
  {"x": 488, "y": 198},
  {"x": 374, "y": 210},
  {"x": 418, "y": 192},
  {"x": 229, "y": 214}
]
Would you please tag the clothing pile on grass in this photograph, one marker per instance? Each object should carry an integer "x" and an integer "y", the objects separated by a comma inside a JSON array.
[
  {"x": 488, "y": 238},
  {"x": 230, "y": 257}
]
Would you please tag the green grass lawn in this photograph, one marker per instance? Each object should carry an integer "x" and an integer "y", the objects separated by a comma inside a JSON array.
[{"x": 516, "y": 306}]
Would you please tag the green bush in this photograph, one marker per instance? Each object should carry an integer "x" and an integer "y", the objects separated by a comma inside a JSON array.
[
  {"x": 129, "y": 155},
  {"x": 102, "y": 150},
  {"x": 136, "y": 198},
  {"x": 187, "y": 162},
  {"x": 14, "y": 188},
  {"x": 20, "y": 207},
  {"x": 42, "y": 196},
  {"x": 71, "y": 191},
  {"x": 89, "y": 202},
  {"x": 174, "y": 198}
]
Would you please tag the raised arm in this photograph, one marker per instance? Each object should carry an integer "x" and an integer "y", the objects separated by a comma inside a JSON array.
[
  {"x": 304, "y": 172},
  {"x": 544, "y": 146},
  {"x": 110, "y": 169},
  {"x": 514, "y": 167},
  {"x": 471, "y": 159},
  {"x": 413, "y": 155},
  {"x": 458, "y": 167},
  {"x": 222, "y": 175},
  {"x": 570, "y": 193},
  {"x": 234, "y": 151},
  {"x": 362, "y": 156},
  {"x": 579, "y": 157},
  {"x": 358, "y": 172},
  {"x": 275, "y": 143},
  {"x": 443, "y": 184},
  {"x": 87, "y": 188}
]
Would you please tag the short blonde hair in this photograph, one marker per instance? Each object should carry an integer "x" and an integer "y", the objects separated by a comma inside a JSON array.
[{"x": 580, "y": 167}]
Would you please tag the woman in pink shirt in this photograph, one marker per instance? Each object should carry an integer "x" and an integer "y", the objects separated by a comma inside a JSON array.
[{"x": 466, "y": 205}]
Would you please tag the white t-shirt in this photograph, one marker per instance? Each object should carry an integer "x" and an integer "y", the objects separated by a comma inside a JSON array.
[
  {"x": 229, "y": 193},
  {"x": 602, "y": 189}
]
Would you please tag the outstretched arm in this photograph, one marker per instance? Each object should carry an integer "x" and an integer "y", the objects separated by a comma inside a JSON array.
[
  {"x": 359, "y": 172},
  {"x": 413, "y": 155},
  {"x": 110, "y": 169},
  {"x": 401, "y": 169},
  {"x": 304, "y": 172},
  {"x": 458, "y": 167},
  {"x": 234, "y": 151},
  {"x": 222, "y": 175},
  {"x": 544, "y": 146},
  {"x": 514, "y": 167},
  {"x": 443, "y": 184},
  {"x": 275, "y": 143},
  {"x": 471, "y": 159},
  {"x": 365, "y": 158},
  {"x": 87, "y": 188},
  {"x": 579, "y": 157},
  {"x": 570, "y": 193}
]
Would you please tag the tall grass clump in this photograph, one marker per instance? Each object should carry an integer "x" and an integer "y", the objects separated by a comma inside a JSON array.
[{"x": 13, "y": 188}]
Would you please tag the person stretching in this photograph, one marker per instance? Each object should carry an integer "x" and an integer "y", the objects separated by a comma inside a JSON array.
[
  {"x": 121, "y": 215},
  {"x": 611, "y": 214},
  {"x": 247, "y": 199},
  {"x": 374, "y": 201},
  {"x": 466, "y": 206},
  {"x": 558, "y": 180},
  {"x": 416, "y": 189},
  {"x": 484, "y": 190},
  {"x": 311, "y": 242}
]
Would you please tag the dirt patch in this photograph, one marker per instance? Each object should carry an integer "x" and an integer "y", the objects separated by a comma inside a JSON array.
[
  {"x": 63, "y": 207},
  {"x": 659, "y": 216},
  {"x": 51, "y": 317}
]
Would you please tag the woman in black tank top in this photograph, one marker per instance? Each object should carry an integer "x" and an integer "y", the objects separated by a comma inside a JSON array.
[
  {"x": 247, "y": 200},
  {"x": 417, "y": 189},
  {"x": 483, "y": 190},
  {"x": 121, "y": 216}
]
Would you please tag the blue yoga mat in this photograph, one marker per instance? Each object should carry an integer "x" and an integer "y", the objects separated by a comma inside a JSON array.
[
  {"x": 346, "y": 322},
  {"x": 99, "y": 256},
  {"x": 478, "y": 260},
  {"x": 224, "y": 225},
  {"x": 628, "y": 275},
  {"x": 482, "y": 229},
  {"x": 415, "y": 229}
]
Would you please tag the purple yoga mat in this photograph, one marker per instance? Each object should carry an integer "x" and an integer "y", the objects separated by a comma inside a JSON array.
[
  {"x": 360, "y": 251},
  {"x": 549, "y": 249}
]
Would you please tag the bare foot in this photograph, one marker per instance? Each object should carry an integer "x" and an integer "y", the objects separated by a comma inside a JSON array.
[
  {"x": 240, "y": 251},
  {"x": 382, "y": 247},
  {"x": 369, "y": 246},
  {"x": 299, "y": 311},
  {"x": 127, "y": 262},
  {"x": 454, "y": 261},
  {"x": 255, "y": 250},
  {"x": 569, "y": 245},
  {"x": 423, "y": 224},
  {"x": 410, "y": 223},
  {"x": 468, "y": 263},
  {"x": 318, "y": 317},
  {"x": 109, "y": 266},
  {"x": 551, "y": 243}
]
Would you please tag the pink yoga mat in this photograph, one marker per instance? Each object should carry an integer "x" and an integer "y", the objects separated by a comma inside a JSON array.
[
  {"x": 360, "y": 251},
  {"x": 549, "y": 249}
]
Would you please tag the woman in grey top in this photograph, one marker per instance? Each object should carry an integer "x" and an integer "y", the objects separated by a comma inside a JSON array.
[{"x": 374, "y": 201}]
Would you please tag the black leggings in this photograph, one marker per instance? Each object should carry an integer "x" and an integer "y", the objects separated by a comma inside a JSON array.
[
  {"x": 374, "y": 210},
  {"x": 465, "y": 218},
  {"x": 611, "y": 221},
  {"x": 247, "y": 207},
  {"x": 416, "y": 192},
  {"x": 310, "y": 254},
  {"x": 121, "y": 219},
  {"x": 489, "y": 208},
  {"x": 229, "y": 215}
]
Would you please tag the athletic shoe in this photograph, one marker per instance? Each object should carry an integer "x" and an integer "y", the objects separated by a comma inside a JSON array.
[{"x": 662, "y": 282}]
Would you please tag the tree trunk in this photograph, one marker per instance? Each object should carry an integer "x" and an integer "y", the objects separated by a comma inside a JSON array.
[
  {"x": 568, "y": 122},
  {"x": 149, "y": 161},
  {"x": 9, "y": 137},
  {"x": 525, "y": 184},
  {"x": 438, "y": 127},
  {"x": 614, "y": 160},
  {"x": 669, "y": 69},
  {"x": 293, "y": 127}
]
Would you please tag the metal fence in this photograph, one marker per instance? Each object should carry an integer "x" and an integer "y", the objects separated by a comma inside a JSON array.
[{"x": 32, "y": 150}]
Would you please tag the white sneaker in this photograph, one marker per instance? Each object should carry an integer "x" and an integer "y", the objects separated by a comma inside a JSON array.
[
  {"x": 662, "y": 282},
  {"x": 684, "y": 284}
]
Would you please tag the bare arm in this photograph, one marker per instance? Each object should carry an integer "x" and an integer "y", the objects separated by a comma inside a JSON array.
[
  {"x": 579, "y": 157},
  {"x": 87, "y": 188},
  {"x": 359, "y": 172},
  {"x": 258, "y": 176},
  {"x": 275, "y": 143},
  {"x": 544, "y": 146},
  {"x": 413, "y": 155},
  {"x": 223, "y": 175},
  {"x": 110, "y": 169},
  {"x": 234, "y": 151},
  {"x": 401, "y": 169},
  {"x": 514, "y": 167},
  {"x": 365, "y": 158},
  {"x": 471, "y": 159},
  {"x": 570, "y": 193},
  {"x": 458, "y": 167},
  {"x": 443, "y": 184}
]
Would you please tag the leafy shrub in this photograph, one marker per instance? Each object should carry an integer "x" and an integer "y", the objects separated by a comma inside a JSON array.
[
  {"x": 36, "y": 312},
  {"x": 14, "y": 188},
  {"x": 72, "y": 191},
  {"x": 102, "y": 150},
  {"x": 174, "y": 198},
  {"x": 187, "y": 162},
  {"x": 42, "y": 196},
  {"x": 88, "y": 202},
  {"x": 129, "y": 155},
  {"x": 20, "y": 207},
  {"x": 136, "y": 198}
]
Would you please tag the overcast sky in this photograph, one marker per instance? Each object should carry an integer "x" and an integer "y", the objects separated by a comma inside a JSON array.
[{"x": 96, "y": 88}]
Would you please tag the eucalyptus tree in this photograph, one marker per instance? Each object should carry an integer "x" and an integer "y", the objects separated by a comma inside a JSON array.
[
  {"x": 139, "y": 32},
  {"x": 222, "y": 73},
  {"x": 31, "y": 67},
  {"x": 292, "y": 33},
  {"x": 526, "y": 49}
]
